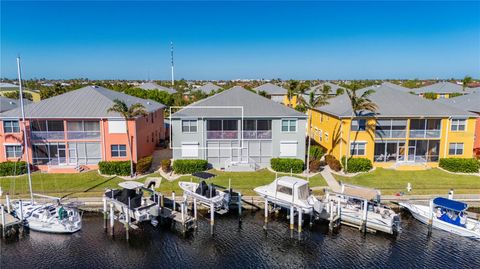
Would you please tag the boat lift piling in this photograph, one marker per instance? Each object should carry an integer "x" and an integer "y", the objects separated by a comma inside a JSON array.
[
  {"x": 430, "y": 218},
  {"x": 266, "y": 215},
  {"x": 364, "y": 216}
]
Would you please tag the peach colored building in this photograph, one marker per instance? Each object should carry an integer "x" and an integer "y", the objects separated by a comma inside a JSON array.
[{"x": 74, "y": 130}]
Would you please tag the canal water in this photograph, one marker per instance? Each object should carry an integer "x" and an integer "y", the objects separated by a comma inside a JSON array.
[{"x": 247, "y": 246}]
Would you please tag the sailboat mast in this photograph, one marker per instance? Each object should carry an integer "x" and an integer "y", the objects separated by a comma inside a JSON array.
[
  {"x": 171, "y": 55},
  {"x": 27, "y": 157}
]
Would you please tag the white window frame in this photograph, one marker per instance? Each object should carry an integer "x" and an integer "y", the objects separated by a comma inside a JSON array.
[
  {"x": 456, "y": 148},
  {"x": 456, "y": 123},
  {"x": 289, "y": 126},
  {"x": 13, "y": 145},
  {"x": 355, "y": 149},
  {"x": 190, "y": 126},
  {"x": 11, "y": 126},
  {"x": 118, "y": 150}
]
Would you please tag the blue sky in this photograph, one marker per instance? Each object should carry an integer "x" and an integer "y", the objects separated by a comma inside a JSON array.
[{"x": 229, "y": 40}]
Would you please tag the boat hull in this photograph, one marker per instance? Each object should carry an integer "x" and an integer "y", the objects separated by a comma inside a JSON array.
[{"x": 421, "y": 213}]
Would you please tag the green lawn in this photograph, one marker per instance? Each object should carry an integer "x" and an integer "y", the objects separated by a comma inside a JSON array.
[
  {"x": 244, "y": 182},
  {"x": 92, "y": 184},
  {"x": 433, "y": 181},
  {"x": 74, "y": 185}
]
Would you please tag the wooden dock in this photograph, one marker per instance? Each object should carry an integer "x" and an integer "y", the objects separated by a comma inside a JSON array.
[{"x": 8, "y": 222}]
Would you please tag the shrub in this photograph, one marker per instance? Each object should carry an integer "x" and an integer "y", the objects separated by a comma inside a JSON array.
[
  {"x": 115, "y": 168},
  {"x": 287, "y": 165},
  {"x": 333, "y": 163},
  {"x": 460, "y": 165},
  {"x": 13, "y": 168},
  {"x": 166, "y": 165},
  {"x": 143, "y": 165},
  {"x": 430, "y": 95},
  {"x": 189, "y": 166},
  {"x": 356, "y": 165},
  {"x": 315, "y": 165},
  {"x": 316, "y": 152}
]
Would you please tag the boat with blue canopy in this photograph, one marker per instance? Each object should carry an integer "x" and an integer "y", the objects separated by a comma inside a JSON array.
[{"x": 448, "y": 215}]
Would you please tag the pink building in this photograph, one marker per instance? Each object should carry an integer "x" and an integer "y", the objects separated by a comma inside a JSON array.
[{"x": 74, "y": 130}]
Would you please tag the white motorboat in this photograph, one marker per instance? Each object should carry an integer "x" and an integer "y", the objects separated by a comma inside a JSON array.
[
  {"x": 131, "y": 197},
  {"x": 206, "y": 194},
  {"x": 50, "y": 217},
  {"x": 352, "y": 202},
  {"x": 290, "y": 191},
  {"x": 446, "y": 214}
]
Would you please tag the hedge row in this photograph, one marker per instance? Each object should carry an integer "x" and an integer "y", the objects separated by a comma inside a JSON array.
[
  {"x": 143, "y": 165},
  {"x": 287, "y": 165},
  {"x": 115, "y": 168},
  {"x": 334, "y": 164},
  {"x": 13, "y": 168},
  {"x": 356, "y": 165},
  {"x": 189, "y": 166},
  {"x": 460, "y": 165}
]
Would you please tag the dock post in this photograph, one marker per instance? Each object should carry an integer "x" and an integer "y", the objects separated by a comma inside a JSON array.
[
  {"x": 266, "y": 215},
  {"x": 105, "y": 216},
  {"x": 112, "y": 219},
  {"x": 364, "y": 217},
  {"x": 212, "y": 218},
  {"x": 300, "y": 215},
  {"x": 330, "y": 207},
  {"x": 292, "y": 217},
  {"x": 127, "y": 223},
  {"x": 430, "y": 218},
  {"x": 173, "y": 199},
  {"x": 239, "y": 209},
  {"x": 7, "y": 200},
  {"x": 3, "y": 220},
  {"x": 182, "y": 210},
  {"x": 21, "y": 210},
  {"x": 195, "y": 211}
]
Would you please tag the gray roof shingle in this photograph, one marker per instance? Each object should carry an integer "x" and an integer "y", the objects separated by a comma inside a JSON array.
[
  {"x": 155, "y": 86},
  {"x": 440, "y": 87},
  {"x": 226, "y": 103},
  {"x": 393, "y": 103},
  {"x": 86, "y": 102},
  {"x": 209, "y": 88},
  {"x": 468, "y": 102},
  {"x": 6, "y": 85},
  {"x": 271, "y": 89},
  {"x": 9, "y": 104},
  {"x": 333, "y": 88}
]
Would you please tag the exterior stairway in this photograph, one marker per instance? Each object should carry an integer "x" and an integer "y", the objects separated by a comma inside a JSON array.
[{"x": 239, "y": 166}]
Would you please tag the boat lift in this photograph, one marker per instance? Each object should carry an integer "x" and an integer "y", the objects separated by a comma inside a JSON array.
[{"x": 10, "y": 221}]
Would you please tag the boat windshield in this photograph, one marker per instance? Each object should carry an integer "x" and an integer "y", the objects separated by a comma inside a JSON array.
[
  {"x": 284, "y": 190},
  {"x": 303, "y": 192}
]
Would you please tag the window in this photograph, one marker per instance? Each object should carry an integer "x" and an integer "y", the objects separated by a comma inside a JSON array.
[
  {"x": 357, "y": 148},
  {"x": 289, "y": 125},
  {"x": 11, "y": 126},
  {"x": 214, "y": 125},
  {"x": 84, "y": 152},
  {"x": 455, "y": 149},
  {"x": 421, "y": 128},
  {"x": 13, "y": 151},
  {"x": 189, "y": 126},
  {"x": 458, "y": 125},
  {"x": 55, "y": 126},
  {"x": 386, "y": 128},
  {"x": 39, "y": 126},
  {"x": 119, "y": 150},
  {"x": 359, "y": 125},
  {"x": 49, "y": 153},
  {"x": 284, "y": 190}
]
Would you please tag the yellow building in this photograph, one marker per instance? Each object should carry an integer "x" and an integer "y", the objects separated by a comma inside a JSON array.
[
  {"x": 406, "y": 132},
  {"x": 277, "y": 94}
]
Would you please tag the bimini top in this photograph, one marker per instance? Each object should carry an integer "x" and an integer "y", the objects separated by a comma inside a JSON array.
[
  {"x": 288, "y": 181},
  {"x": 131, "y": 185},
  {"x": 450, "y": 204}
]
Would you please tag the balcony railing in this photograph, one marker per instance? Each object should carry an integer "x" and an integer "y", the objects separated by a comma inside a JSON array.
[
  {"x": 257, "y": 134},
  {"x": 424, "y": 133},
  {"x": 222, "y": 134},
  {"x": 390, "y": 133},
  {"x": 60, "y": 135},
  {"x": 83, "y": 135}
]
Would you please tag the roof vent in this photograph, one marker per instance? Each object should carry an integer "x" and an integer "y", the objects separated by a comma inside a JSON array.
[
  {"x": 148, "y": 103},
  {"x": 95, "y": 86},
  {"x": 11, "y": 102}
]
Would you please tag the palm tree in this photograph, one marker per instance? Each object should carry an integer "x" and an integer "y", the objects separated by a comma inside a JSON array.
[
  {"x": 128, "y": 113},
  {"x": 358, "y": 103},
  {"x": 292, "y": 88},
  {"x": 314, "y": 101},
  {"x": 466, "y": 80}
]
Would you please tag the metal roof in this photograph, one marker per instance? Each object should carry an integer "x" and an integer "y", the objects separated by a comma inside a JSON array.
[
  {"x": 9, "y": 104},
  {"x": 393, "y": 103},
  {"x": 229, "y": 103},
  {"x": 440, "y": 87},
  {"x": 467, "y": 102},
  {"x": 208, "y": 88},
  {"x": 271, "y": 89},
  {"x": 86, "y": 102},
  {"x": 155, "y": 86}
]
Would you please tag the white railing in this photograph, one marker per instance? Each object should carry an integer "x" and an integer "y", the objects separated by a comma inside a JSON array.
[{"x": 251, "y": 163}]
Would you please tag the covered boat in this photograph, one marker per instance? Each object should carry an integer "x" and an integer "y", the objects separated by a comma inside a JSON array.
[
  {"x": 290, "y": 191},
  {"x": 206, "y": 194},
  {"x": 446, "y": 214}
]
